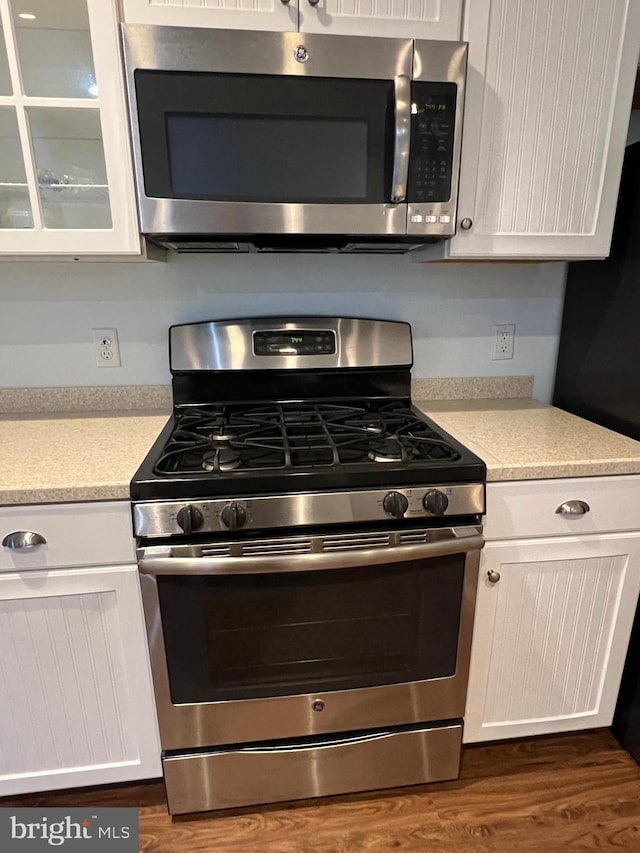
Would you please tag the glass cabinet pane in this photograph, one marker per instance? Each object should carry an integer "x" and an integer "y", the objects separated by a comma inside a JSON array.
[
  {"x": 69, "y": 160},
  {"x": 15, "y": 207},
  {"x": 54, "y": 48},
  {"x": 5, "y": 80}
]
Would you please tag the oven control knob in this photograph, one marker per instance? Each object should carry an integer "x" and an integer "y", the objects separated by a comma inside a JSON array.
[
  {"x": 435, "y": 502},
  {"x": 395, "y": 504},
  {"x": 190, "y": 518},
  {"x": 233, "y": 516}
]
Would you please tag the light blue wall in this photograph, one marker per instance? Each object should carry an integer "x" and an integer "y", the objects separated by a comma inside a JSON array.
[{"x": 47, "y": 310}]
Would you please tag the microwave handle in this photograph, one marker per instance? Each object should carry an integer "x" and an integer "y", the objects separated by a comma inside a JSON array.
[{"x": 402, "y": 137}]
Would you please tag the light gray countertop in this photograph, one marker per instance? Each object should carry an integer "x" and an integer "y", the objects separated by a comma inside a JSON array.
[
  {"x": 59, "y": 458},
  {"x": 55, "y": 458},
  {"x": 522, "y": 439}
]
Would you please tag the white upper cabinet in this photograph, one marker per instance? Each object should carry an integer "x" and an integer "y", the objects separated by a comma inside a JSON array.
[
  {"x": 418, "y": 19},
  {"x": 435, "y": 19},
  {"x": 547, "y": 106},
  {"x": 66, "y": 184},
  {"x": 240, "y": 15}
]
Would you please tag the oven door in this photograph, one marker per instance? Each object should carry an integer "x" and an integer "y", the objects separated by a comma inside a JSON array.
[
  {"x": 241, "y": 133},
  {"x": 372, "y": 630}
]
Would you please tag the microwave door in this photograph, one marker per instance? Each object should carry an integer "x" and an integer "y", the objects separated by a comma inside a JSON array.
[
  {"x": 230, "y": 153},
  {"x": 244, "y": 154}
]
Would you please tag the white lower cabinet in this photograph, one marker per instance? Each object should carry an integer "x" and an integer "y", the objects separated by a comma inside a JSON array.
[
  {"x": 76, "y": 700},
  {"x": 552, "y": 625}
]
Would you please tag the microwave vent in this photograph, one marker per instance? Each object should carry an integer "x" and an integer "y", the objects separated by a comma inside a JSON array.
[
  {"x": 277, "y": 244},
  {"x": 188, "y": 247}
]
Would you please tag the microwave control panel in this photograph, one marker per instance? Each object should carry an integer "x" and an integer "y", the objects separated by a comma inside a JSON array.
[{"x": 433, "y": 110}]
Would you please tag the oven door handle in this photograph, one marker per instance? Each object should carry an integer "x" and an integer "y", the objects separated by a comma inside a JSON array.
[
  {"x": 402, "y": 137},
  {"x": 330, "y": 743},
  {"x": 161, "y": 560}
]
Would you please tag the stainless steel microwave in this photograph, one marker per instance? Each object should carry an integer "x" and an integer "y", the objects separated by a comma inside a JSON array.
[{"x": 289, "y": 142}]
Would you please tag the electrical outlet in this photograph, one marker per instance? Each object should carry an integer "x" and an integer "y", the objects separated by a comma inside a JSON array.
[
  {"x": 107, "y": 348},
  {"x": 503, "y": 337}
]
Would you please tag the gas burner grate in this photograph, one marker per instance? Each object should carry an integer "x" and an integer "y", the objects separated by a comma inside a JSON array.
[{"x": 222, "y": 439}]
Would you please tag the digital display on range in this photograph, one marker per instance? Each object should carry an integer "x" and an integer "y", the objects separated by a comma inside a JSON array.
[{"x": 300, "y": 342}]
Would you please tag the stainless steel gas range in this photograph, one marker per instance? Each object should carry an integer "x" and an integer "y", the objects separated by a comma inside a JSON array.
[{"x": 308, "y": 546}]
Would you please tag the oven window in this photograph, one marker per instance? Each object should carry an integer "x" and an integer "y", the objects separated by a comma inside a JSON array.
[
  {"x": 253, "y": 636},
  {"x": 260, "y": 138}
]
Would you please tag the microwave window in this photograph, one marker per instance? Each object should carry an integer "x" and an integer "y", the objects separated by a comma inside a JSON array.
[{"x": 268, "y": 159}]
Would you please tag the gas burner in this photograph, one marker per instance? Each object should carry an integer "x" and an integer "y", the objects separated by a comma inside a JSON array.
[
  {"x": 221, "y": 459},
  {"x": 385, "y": 450},
  {"x": 222, "y": 438},
  {"x": 367, "y": 423},
  {"x": 376, "y": 427}
]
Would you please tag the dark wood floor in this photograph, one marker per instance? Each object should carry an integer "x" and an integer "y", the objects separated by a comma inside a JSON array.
[{"x": 552, "y": 794}]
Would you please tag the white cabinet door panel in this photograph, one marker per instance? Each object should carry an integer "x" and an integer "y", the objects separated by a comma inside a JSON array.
[
  {"x": 226, "y": 14},
  {"x": 428, "y": 19},
  {"x": 547, "y": 105},
  {"x": 550, "y": 637},
  {"x": 76, "y": 703},
  {"x": 419, "y": 19}
]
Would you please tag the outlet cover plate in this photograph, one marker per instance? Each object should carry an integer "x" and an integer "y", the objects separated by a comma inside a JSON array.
[
  {"x": 503, "y": 338},
  {"x": 106, "y": 347}
]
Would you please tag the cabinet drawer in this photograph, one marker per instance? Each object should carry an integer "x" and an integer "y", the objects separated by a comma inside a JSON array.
[
  {"x": 529, "y": 507},
  {"x": 76, "y": 535}
]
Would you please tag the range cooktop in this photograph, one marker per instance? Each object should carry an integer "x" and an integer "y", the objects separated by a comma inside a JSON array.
[{"x": 219, "y": 449}]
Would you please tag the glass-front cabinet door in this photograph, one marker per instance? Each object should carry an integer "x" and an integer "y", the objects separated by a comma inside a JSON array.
[{"x": 66, "y": 184}]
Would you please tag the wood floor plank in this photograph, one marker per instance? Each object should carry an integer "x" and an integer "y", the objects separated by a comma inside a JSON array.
[{"x": 578, "y": 792}]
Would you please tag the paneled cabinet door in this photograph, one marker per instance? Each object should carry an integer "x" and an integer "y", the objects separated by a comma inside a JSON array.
[
  {"x": 551, "y": 634},
  {"x": 66, "y": 181},
  {"x": 275, "y": 15},
  {"x": 76, "y": 702},
  {"x": 546, "y": 111},
  {"x": 418, "y": 19},
  {"x": 392, "y": 18}
]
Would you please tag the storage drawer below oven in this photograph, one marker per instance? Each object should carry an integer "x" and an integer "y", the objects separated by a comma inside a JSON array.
[{"x": 314, "y": 768}]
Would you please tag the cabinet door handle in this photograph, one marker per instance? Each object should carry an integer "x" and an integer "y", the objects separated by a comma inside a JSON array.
[
  {"x": 493, "y": 577},
  {"x": 23, "y": 540},
  {"x": 313, "y": 2},
  {"x": 573, "y": 508}
]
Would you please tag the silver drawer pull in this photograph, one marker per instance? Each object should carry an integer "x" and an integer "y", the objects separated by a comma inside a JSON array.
[
  {"x": 22, "y": 540},
  {"x": 493, "y": 576},
  {"x": 573, "y": 508}
]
